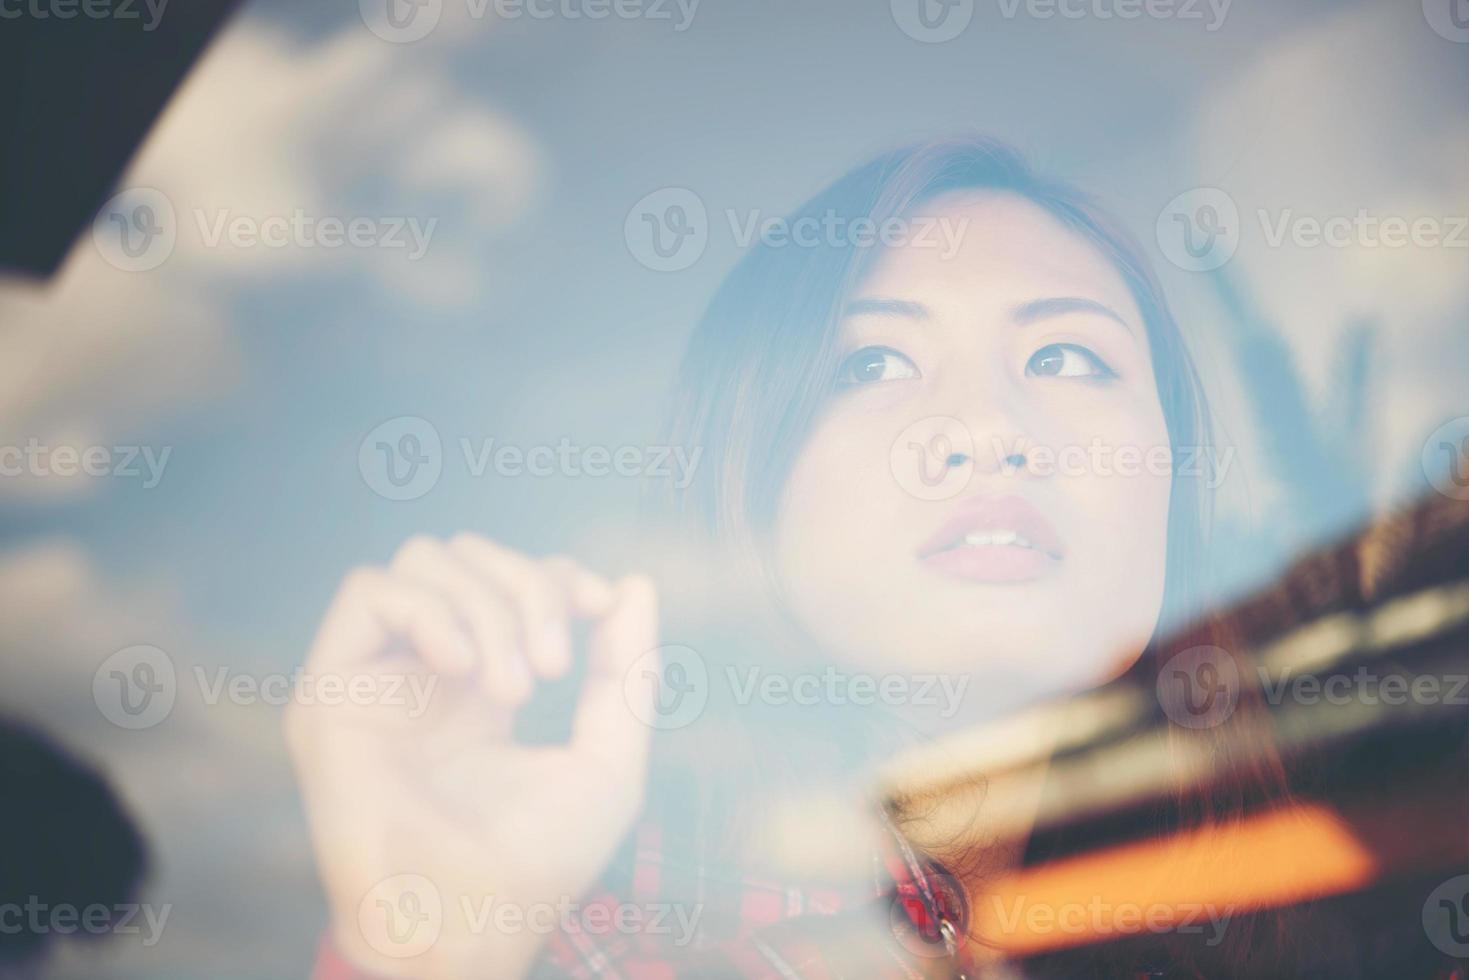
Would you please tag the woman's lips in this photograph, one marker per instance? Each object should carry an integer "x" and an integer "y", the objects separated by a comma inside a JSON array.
[{"x": 994, "y": 539}]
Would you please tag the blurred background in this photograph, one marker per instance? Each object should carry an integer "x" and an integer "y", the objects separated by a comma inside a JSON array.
[{"x": 233, "y": 393}]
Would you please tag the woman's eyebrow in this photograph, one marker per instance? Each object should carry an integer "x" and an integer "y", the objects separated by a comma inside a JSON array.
[
  {"x": 1025, "y": 313},
  {"x": 883, "y": 306},
  {"x": 1041, "y": 309}
]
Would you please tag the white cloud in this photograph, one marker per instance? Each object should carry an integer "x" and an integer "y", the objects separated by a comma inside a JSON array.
[
  {"x": 90, "y": 357},
  {"x": 348, "y": 127},
  {"x": 1357, "y": 112},
  {"x": 265, "y": 126},
  {"x": 209, "y": 785}
]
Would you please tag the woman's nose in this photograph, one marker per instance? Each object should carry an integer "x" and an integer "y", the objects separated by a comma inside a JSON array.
[
  {"x": 939, "y": 456},
  {"x": 991, "y": 462},
  {"x": 995, "y": 414}
]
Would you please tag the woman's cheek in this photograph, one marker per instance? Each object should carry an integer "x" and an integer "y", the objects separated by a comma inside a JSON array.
[
  {"x": 1123, "y": 499},
  {"x": 842, "y": 511},
  {"x": 1105, "y": 429},
  {"x": 842, "y": 481}
]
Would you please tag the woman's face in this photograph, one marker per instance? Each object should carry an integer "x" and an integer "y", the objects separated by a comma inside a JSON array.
[{"x": 912, "y": 538}]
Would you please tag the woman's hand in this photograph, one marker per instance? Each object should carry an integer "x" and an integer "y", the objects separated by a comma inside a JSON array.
[{"x": 422, "y": 817}]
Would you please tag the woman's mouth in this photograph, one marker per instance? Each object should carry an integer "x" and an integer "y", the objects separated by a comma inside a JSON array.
[{"x": 996, "y": 539}]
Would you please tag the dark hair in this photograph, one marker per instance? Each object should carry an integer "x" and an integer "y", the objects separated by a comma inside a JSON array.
[
  {"x": 751, "y": 387},
  {"x": 746, "y": 393},
  {"x": 67, "y": 840}
]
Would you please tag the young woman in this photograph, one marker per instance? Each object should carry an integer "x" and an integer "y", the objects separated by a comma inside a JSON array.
[{"x": 939, "y": 461}]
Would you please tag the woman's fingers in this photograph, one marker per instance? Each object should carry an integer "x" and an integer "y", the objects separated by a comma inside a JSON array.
[
  {"x": 540, "y": 612},
  {"x": 491, "y": 619},
  {"x": 372, "y": 612},
  {"x": 470, "y": 605},
  {"x": 588, "y": 594},
  {"x": 607, "y": 723},
  {"x": 544, "y": 595},
  {"x": 372, "y": 607}
]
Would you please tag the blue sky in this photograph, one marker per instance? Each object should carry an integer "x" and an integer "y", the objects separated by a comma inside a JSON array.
[{"x": 529, "y": 319}]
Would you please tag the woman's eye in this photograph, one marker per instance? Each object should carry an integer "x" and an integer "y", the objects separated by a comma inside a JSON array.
[
  {"x": 1067, "y": 361},
  {"x": 873, "y": 364}
]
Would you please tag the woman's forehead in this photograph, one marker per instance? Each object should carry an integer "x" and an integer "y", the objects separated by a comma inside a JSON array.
[{"x": 1004, "y": 250}]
